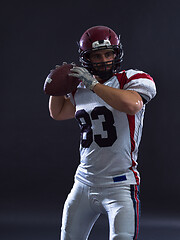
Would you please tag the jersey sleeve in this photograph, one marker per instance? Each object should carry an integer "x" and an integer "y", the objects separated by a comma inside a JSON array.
[{"x": 140, "y": 82}]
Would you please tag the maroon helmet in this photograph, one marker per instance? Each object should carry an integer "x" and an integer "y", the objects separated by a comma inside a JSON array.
[{"x": 97, "y": 38}]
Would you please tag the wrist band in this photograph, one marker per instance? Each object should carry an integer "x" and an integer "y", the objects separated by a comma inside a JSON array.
[{"x": 93, "y": 84}]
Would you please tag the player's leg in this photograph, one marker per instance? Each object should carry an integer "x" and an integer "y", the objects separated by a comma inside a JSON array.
[
  {"x": 78, "y": 217},
  {"x": 123, "y": 208}
]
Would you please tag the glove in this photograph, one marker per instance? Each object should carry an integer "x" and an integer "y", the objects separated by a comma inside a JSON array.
[{"x": 85, "y": 76}]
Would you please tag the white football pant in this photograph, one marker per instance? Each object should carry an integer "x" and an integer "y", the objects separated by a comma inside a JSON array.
[{"x": 84, "y": 205}]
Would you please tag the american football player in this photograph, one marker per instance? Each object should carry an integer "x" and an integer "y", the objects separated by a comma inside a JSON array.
[{"x": 109, "y": 105}]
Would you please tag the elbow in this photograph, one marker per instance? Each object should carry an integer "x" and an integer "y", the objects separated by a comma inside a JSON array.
[
  {"x": 134, "y": 108},
  {"x": 54, "y": 116},
  {"x": 59, "y": 116}
]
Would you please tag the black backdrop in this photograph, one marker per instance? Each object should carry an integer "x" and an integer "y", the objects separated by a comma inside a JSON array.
[{"x": 38, "y": 155}]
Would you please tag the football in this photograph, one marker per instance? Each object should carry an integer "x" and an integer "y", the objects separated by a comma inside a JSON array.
[{"x": 59, "y": 83}]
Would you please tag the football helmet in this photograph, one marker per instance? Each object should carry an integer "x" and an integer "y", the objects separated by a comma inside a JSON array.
[{"x": 97, "y": 38}]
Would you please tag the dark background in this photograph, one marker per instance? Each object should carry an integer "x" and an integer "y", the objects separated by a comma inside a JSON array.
[{"x": 38, "y": 155}]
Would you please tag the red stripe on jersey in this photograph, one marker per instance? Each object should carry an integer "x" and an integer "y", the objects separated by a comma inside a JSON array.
[
  {"x": 122, "y": 78},
  {"x": 131, "y": 119},
  {"x": 135, "y": 173},
  {"x": 140, "y": 75}
]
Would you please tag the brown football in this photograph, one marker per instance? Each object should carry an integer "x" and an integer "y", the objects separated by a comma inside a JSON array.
[{"x": 59, "y": 83}]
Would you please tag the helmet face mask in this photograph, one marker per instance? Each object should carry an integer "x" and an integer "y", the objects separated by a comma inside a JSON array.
[
  {"x": 100, "y": 38},
  {"x": 104, "y": 74}
]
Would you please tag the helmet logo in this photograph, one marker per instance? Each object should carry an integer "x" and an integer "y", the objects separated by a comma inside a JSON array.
[{"x": 102, "y": 43}]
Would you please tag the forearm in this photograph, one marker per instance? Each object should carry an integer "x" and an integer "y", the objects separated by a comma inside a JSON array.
[
  {"x": 55, "y": 105},
  {"x": 126, "y": 101},
  {"x": 61, "y": 108}
]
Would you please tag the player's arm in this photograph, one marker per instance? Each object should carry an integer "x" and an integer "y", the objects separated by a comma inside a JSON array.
[
  {"x": 61, "y": 108},
  {"x": 126, "y": 101}
]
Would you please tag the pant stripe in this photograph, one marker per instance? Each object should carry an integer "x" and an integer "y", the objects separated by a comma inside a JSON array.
[{"x": 136, "y": 203}]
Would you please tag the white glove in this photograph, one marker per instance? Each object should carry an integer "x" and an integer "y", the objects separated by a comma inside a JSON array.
[{"x": 85, "y": 76}]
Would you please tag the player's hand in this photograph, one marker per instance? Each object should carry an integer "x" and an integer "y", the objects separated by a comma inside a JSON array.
[{"x": 85, "y": 76}]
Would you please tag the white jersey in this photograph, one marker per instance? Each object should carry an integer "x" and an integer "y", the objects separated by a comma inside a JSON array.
[{"x": 110, "y": 138}]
